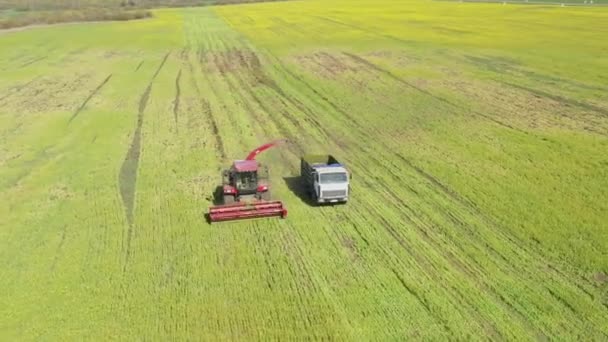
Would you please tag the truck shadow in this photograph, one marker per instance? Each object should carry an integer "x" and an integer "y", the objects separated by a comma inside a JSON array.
[{"x": 295, "y": 185}]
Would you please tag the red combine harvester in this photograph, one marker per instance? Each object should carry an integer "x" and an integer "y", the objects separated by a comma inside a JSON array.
[{"x": 245, "y": 190}]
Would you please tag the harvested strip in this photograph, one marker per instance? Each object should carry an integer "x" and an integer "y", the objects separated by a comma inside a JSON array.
[{"x": 128, "y": 171}]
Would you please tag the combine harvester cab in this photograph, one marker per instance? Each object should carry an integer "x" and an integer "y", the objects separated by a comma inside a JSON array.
[{"x": 245, "y": 191}]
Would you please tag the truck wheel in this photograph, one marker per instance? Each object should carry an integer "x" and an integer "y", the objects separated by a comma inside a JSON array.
[
  {"x": 315, "y": 201},
  {"x": 266, "y": 196},
  {"x": 228, "y": 199}
]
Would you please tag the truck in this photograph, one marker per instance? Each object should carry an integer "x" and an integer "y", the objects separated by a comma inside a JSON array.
[{"x": 324, "y": 178}]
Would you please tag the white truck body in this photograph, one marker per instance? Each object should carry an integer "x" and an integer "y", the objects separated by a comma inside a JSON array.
[{"x": 325, "y": 179}]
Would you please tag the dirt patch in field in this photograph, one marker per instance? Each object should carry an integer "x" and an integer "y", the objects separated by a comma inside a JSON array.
[
  {"x": 45, "y": 94},
  {"x": 230, "y": 61},
  {"x": 351, "y": 245},
  {"x": 601, "y": 278},
  {"x": 326, "y": 65},
  {"x": 60, "y": 192},
  {"x": 396, "y": 58},
  {"x": 523, "y": 107}
]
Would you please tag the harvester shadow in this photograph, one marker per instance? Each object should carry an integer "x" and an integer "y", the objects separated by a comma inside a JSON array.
[
  {"x": 216, "y": 198},
  {"x": 217, "y": 195},
  {"x": 294, "y": 184}
]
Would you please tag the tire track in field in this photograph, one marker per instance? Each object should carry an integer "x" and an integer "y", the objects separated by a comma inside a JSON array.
[
  {"x": 507, "y": 302},
  {"x": 401, "y": 242},
  {"x": 299, "y": 268},
  {"x": 396, "y": 78},
  {"x": 423, "y": 302},
  {"x": 219, "y": 60},
  {"x": 421, "y": 259},
  {"x": 309, "y": 115},
  {"x": 17, "y": 89},
  {"x": 254, "y": 75},
  {"x": 477, "y": 213},
  {"x": 207, "y": 111},
  {"x": 451, "y": 193},
  {"x": 559, "y": 99},
  {"x": 232, "y": 61},
  {"x": 91, "y": 95},
  {"x": 128, "y": 171},
  {"x": 212, "y": 86},
  {"x": 176, "y": 100},
  {"x": 502, "y": 259},
  {"x": 139, "y": 66},
  {"x": 459, "y": 198},
  {"x": 36, "y": 60},
  {"x": 346, "y": 119},
  {"x": 372, "y": 32},
  {"x": 464, "y": 202},
  {"x": 425, "y": 233},
  {"x": 59, "y": 248}
]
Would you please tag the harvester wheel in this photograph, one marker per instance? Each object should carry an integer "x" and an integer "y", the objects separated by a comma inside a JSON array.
[
  {"x": 266, "y": 196},
  {"x": 228, "y": 199}
]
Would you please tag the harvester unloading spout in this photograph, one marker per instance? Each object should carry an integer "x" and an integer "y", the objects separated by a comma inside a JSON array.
[
  {"x": 263, "y": 148},
  {"x": 246, "y": 191}
]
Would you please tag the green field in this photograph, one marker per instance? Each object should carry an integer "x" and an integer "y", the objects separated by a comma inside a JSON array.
[{"x": 477, "y": 135}]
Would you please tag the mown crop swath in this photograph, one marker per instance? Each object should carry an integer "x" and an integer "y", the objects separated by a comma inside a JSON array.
[{"x": 477, "y": 194}]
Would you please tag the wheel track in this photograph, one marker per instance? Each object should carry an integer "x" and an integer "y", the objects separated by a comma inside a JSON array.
[
  {"x": 346, "y": 119},
  {"x": 397, "y": 79},
  {"x": 33, "y": 61},
  {"x": 18, "y": 88},
  {"x": 461, "y": 203},
  {"x": 128, "y": 171},
  {"x": 602, "y": 112},
  {"x": 176, "y": 101},
  {"x": 300, "y": 266},
  {"x": 217, "y": 61},
  {"x": 91, "y": 95},
  {"x": 365, "y": 30},
  {"x": 393, "y": 233},
  {"x": 219, "y": 144},
  {"x": 454, "y": 196}
]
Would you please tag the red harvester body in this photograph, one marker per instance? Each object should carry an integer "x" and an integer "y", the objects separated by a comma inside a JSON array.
[{"x": 245, "y": 191}]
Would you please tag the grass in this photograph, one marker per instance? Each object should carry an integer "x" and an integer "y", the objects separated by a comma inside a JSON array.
[
  {"x": 16, "y": 14},
  {"x": 48, "y": 5},
  {"x": 65, "y": 16},
  {"x": 540, "y": 2},
  {"x": 475, "y": 140}
]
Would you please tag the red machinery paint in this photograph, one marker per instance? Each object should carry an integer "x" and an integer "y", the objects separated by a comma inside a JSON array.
[{"x": 261, "y": 206}]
